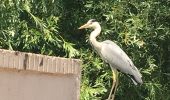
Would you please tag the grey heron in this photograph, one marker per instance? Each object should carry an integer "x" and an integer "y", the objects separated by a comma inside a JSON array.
[{"x": 112, "y": 54}]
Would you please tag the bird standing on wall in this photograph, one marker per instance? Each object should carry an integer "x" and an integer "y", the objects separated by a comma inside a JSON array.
[{"x": 112, "y": 54}]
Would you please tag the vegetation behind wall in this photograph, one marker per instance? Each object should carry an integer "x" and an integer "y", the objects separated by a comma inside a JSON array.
[{"x": 140, "y": 28}]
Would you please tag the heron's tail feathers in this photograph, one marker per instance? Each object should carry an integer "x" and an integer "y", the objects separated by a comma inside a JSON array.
[
  {"x": 136, "y": 77},
  {"x": 136, "y": 81}
]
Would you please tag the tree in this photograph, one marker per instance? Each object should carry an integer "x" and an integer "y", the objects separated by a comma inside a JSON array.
[{"x": 140, "y": 28}]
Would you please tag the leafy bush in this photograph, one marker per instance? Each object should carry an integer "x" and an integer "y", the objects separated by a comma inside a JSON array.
[{"x": 140, "y": 28}]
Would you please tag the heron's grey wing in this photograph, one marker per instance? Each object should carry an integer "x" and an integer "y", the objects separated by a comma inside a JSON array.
[{"x": 118, "y": 59}]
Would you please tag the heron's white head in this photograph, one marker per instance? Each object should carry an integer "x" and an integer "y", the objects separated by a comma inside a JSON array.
[{"x": 92, "y": 23}]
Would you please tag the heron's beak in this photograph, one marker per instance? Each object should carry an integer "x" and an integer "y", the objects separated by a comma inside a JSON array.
[{"x": 84, "y": 26}]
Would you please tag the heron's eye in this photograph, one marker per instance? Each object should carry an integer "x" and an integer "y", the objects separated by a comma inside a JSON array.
[{"x": 93, "y": 20}]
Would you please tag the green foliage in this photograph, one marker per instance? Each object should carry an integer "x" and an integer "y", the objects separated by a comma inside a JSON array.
[
  {"x": 33, "y": 27},
  {"x": 145, "y": 36},
  {"x": 140, "y": 28}
]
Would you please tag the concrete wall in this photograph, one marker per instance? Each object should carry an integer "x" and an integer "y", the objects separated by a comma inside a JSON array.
[{"x": 27, "y": 76}]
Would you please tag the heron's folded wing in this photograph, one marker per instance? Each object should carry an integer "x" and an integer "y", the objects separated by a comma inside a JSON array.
[{"x": 115, "y": 56}]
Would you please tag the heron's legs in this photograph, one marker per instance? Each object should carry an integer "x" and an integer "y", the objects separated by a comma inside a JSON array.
[{"x": 114, "y": 85}]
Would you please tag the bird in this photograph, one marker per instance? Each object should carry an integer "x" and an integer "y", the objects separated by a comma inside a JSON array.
[{"x": 112, "y": 54}]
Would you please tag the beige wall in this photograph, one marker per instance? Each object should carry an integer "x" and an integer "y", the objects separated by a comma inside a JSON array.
[
  {"x": 28, "y": 76},
  {"x": 35, "y": 86}
]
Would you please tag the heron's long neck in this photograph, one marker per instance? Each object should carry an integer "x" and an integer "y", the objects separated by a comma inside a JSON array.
[{"x": 93, "y": 36}]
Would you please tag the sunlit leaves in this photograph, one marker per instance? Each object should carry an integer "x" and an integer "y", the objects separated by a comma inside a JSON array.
[
  {"x": 151, "y": 67},
  {"x": 141, "y": 31},
  {"x": 140, "y": 28},
  {"x": 26, "y": 28},
  {"x": 68, "y": 47}
]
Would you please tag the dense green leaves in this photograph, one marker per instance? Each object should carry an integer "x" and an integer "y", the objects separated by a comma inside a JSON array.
[
  {"x": 28, "y": 26},
  {"x": 140, "y": 28}
]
